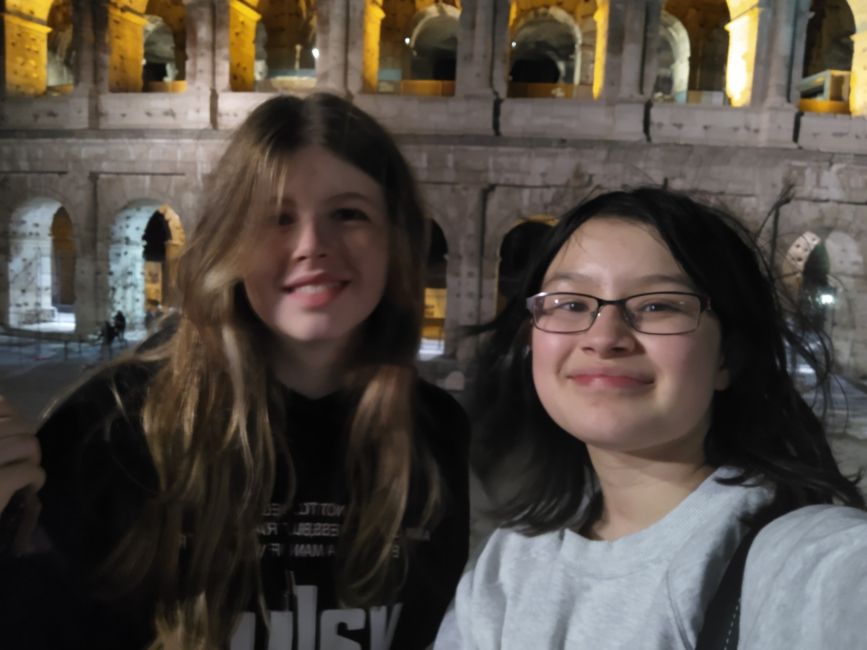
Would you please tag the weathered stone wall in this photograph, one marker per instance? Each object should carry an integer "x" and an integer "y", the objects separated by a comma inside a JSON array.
[{"x": 485, "y": 161}]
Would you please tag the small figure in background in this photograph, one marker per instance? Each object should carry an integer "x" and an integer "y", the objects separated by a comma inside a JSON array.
[
  {"x": 107, "y": 334},
  {"x": 153, "y": 313},
  {"x": 120, "y": 326}
]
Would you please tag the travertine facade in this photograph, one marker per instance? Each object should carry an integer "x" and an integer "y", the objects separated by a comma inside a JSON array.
[{"x": 489, "y": 153}]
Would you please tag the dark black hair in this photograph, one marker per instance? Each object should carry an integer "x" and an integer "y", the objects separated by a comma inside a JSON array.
[{"x": 760, "y": 424}]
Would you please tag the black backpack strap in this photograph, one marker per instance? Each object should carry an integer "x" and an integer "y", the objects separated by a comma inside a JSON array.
[{"x": 720, "y": 628}]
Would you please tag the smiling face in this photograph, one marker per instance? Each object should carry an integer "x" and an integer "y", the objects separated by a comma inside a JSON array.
[
  {"x": 322, "y": 266},
  {"x": 614, "y": 388}
]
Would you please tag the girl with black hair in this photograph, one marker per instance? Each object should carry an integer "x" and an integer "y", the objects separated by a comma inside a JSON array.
[{"x": 637, "y": 401}]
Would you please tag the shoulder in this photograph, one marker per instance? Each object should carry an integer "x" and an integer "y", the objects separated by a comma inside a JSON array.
[
  {"x": 812, "y": 528},
  {"x": 803, "y": 574},
  {"x": 114, "y": 391}
]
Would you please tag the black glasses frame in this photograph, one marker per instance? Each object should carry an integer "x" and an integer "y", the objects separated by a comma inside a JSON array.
[{"x": 620, "y": 303}]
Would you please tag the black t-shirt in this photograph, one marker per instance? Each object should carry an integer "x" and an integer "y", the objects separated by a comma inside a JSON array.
[{"x": 97, "y": 481}]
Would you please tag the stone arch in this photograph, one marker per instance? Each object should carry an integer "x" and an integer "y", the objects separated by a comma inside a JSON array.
[
  {"x": 546, "y": 48},
  {"x": 825, "y": 84},
  {"x": 672, "y": 79},
  {"x": 132, "y": 282},
  {"x": 706, "y": 24},
  {"x": 59, "y": 76},
  {"x": 433, "y": 42},
  {"x": 515, "y": 252},
  {"x": 286, "y": 52},
  {"x": 26, "y": 31},
  {"x": 31, "y": 263},
  {"x": 165, "y": 43}
]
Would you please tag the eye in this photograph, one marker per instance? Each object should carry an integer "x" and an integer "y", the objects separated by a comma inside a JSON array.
[
  {"x": 658, "y": 305},
  {"x": 350, "y": 214},
  {"x": 574, "y": 305},
  {"x": 285, "y": 219}
]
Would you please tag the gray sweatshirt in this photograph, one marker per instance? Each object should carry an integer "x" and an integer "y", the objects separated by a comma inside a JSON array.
[{"x": 805, "y": 583}]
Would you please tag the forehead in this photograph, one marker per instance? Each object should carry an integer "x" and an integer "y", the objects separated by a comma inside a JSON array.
[
  {"x": 318, "y": 173},
  {"x": 609, "y": 248}
]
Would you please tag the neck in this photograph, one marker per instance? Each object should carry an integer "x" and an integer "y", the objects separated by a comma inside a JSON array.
[
  {"x": 638, "y": 492},
  {"x": 312, "y": 369}
]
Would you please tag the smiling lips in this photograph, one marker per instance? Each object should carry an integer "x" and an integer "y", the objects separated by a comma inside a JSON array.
[
  {"x": 316, "y": 291},
  {"x": 609, "y": 380}
]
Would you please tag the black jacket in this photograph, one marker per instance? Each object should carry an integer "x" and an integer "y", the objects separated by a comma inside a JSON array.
[{"x": 98, "y": 478}]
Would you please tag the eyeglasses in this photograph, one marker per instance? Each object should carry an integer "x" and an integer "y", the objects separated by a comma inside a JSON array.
[{"x": 659, "y": 312}]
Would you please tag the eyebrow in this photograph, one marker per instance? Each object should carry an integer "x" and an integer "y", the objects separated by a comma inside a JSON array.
[
  {"x": 338, "y": 198},
  {"x": 654, "y": 278}
]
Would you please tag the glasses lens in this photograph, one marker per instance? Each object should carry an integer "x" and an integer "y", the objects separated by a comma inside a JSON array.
[
  {"x": 564, "y": 312},
  {"x": 664, "y": 313}
]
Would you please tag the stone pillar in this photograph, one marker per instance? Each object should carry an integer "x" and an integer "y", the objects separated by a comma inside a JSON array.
[
  {"x": 858, "y": 80},
  {"x": 126, "y": 49},
  {"x": 633, "y": 40},
  {"x": 652, "y": 35},
  {"x": 373, "y": 16},
  {"x": 243, "y": 20},
  {"x": 744, "y": 30},
  {"x": 475, "y": 48},
  {"x": 25, "y": 54},
  {"x": 331, "y": 38},
  {"x": 799, "y": 45},
  {"x": 200, "y": 44},
  {"x": 777, "y": 56},
  {"x": 501, "y": 49},
  {"x": 601, "y": 63}
]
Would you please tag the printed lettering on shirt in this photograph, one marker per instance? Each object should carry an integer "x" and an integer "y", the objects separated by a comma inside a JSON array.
[{"x": 305, "y": 630}]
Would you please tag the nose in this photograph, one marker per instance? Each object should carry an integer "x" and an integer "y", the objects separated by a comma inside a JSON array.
[
  {"x": 610, "y": 335},
  {"x": 311, "y": 239}
]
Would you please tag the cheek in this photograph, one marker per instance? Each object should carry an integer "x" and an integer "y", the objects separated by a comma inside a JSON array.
[{"x": 548, "y": 352}]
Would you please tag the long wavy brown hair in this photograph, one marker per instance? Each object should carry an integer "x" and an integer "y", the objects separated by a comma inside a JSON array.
[{"x": 215, "y": 442}]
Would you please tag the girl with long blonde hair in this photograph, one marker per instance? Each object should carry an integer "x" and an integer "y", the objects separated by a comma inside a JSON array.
[{"x": 268, "y": 470}]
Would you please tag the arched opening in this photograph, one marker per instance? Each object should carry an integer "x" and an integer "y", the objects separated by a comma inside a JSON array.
[
  {"x": 165, "y": 36},
  {"x": 435, "y": 301},
  {"x": 433, "y": 46},
  {"x": 146, "y": 240},
  {"x": 545, "y": 52},
  {"x": 36, "y": 41},
  {"x": 59, "y": 77},
  {"x": 411, "y": 47},
  {"x": 41, "y": 267},
  {"x": 517, "y": 249},
  {"x": 705, "y": 23},
  {"x": 672, "y": 57},
  {"x": 63, "y": 266},
  {"x": 825, "y": 82},
  {"x": 286, "y": 52}
]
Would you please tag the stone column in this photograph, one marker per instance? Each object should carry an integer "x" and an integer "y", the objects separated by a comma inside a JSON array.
[
  {"x": 373, "y": 16},
  {"x": 475, "y": 48},
  {"x": 778, "y": 58},
  {"x": 243, "y": 20},
  {"x": 25, "y": 54},
  {"x": 633, "y": 39},
  {"x": 858, "y": 80},
  {"x": 126, "y": 49},
  {"x": 652, "y": 35},
  {"x": 331, "y": 38},
  {"x": 744, "y": 30},
  {"x": 355, "y": 12},
  {"x": 601, "y": 64},
  {"x": 501, "y": 49},
  {"x": 200, "y": 44}
]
